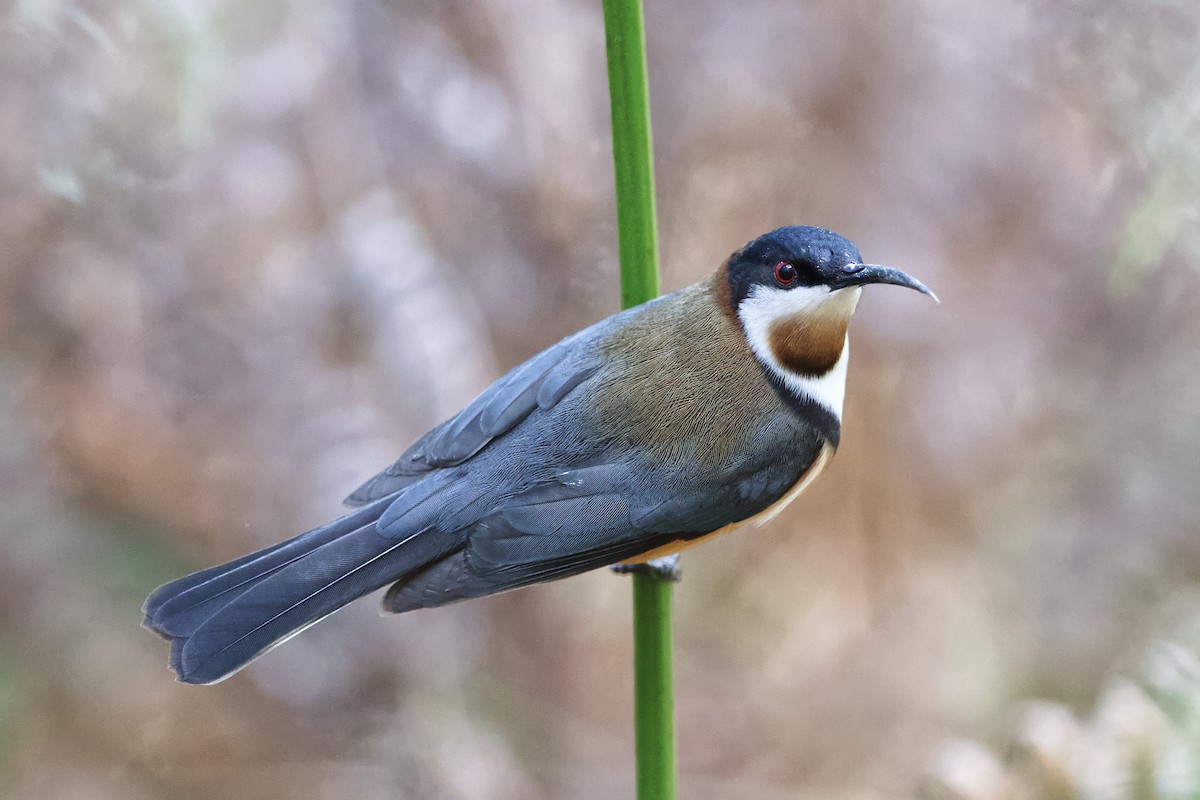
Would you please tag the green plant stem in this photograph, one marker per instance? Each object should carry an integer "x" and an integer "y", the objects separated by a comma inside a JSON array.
[
  {"x": 632, "y": 161},
  {"x": 654, "y": 701}
]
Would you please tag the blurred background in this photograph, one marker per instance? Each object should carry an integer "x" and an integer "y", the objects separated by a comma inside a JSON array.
[{"x": 249, "y": 251}]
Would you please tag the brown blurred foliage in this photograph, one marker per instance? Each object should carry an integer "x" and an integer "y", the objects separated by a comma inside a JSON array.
[{"x": 248, "y": 251}]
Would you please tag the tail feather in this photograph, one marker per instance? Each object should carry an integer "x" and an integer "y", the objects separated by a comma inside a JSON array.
[
  {"x": 179, "y": 607},
  {"x": 220, "y": 620}
]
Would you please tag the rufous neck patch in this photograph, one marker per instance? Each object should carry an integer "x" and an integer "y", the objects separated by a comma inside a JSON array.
[{"x": 809, "y": 344}]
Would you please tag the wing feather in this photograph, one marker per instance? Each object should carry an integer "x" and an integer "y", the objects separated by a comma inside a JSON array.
[{"x": 542, "y": 382}]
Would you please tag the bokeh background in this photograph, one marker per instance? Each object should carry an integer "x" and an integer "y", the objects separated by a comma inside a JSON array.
[{"x": 249, "y": 251}]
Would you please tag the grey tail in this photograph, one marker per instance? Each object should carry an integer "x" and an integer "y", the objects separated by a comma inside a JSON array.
[{"x": 223, "y": 618}]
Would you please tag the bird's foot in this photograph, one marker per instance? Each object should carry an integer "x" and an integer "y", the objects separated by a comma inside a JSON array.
[{"x": 665, "y": 568}]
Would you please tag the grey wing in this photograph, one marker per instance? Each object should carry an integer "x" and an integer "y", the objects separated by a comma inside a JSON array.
[
  {"x": 588, "y": 518},
  {"x": 540, "y": 382}
]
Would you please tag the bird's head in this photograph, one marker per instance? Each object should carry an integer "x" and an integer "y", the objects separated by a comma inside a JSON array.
[
  {"x": 793, "y": 291},
  {"x": 803, "y": 261}
]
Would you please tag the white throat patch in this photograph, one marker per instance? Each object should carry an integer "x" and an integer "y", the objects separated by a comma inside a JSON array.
[{"x": 765, "y": 306}]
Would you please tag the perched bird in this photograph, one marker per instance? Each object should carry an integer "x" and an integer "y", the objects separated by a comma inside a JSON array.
[{"x": 632, "y": 439}]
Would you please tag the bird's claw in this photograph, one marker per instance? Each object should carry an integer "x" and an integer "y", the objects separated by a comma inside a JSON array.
[{"x": 665, "y": 568}]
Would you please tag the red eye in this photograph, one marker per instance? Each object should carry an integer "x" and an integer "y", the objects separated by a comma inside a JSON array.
[{"x": 785, "y": 273}]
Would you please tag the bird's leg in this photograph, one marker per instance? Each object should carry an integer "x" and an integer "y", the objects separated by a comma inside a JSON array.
[{"x": 665, "y": 568}]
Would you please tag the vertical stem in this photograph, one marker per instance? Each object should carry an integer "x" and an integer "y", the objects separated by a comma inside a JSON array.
[
  {"x": 636, "y": 226},
  {"x": 654, "y": 702}
]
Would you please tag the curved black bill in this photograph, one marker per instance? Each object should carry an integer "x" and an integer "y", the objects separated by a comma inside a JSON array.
[{"x": 861, "y": 274}]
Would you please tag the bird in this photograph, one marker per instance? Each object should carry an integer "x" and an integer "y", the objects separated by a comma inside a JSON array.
[{"x": 633, "y": 439}]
